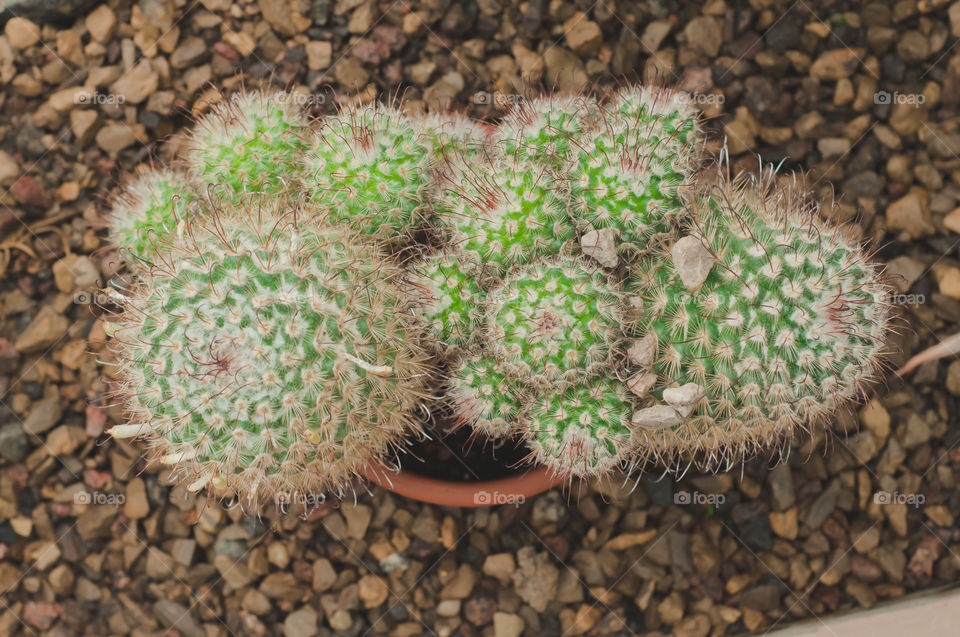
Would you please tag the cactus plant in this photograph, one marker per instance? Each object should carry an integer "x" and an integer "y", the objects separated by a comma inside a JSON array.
[
  {"x": 582, "y": 429},
  {"x": 547, "y": 130},
  {"x": 450, "y": 298},
  {"x": 581, "y": 285},
  {"x": 269, "y": 355},
  {"x": 148, "y": 211},
  {"x": 252, "y": 143},
  {"x": 760, "y": 321},
  {"x": 485, "y": 396},
  {"x": 373, "y": 167},
  {"x": 559, "y": 165},
  {"x": 505, "y": 212},
  {"x": 553, "y": 320},
  {"x": 628, "y": 170}
]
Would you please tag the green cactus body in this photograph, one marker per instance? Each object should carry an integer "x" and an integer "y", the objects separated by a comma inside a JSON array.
[
  {"x": 546, "y": 131},
  {"x": 271, "y": 356},
  {"x": 487, "y": 397},
  {"x": 450, "y": 298},
  {"x": 504, "y": 213},
  {"x": 788, "y": 324},
  {"x": 628, "y": 171},
  {"x": 451, "y": 135},
  {"x": 583, "y": 429},
  {"x": 554, "y": 320},
  {"x": 253, "y": 143},
  {"x": 147, "y": 213},
  {"x": 371, "y": 167}
]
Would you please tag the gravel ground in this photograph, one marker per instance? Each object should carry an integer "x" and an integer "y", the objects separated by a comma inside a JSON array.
[{"x": 861, "y": 96}]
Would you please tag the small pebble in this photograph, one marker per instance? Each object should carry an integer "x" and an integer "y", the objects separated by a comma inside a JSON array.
[{"x": 692, "y": 261}]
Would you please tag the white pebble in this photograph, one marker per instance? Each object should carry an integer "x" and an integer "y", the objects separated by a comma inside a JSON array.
[{"x": 692, "y": 260}]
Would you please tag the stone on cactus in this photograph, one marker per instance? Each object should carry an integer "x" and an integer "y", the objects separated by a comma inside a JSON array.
[
  {"x": 786, "y": 321},
  {"x": 269, "y": 355}
]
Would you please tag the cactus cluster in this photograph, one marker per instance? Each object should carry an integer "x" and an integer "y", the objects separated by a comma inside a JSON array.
[{"x": 307, "y": 292}]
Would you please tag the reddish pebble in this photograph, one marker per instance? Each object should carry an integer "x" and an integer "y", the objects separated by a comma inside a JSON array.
[
  {"x": 28, "y": 191},
  {"x": 226, "y": 51}
]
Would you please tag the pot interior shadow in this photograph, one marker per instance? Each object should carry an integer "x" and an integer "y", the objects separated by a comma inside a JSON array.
[{"x": 457, "y": 454}]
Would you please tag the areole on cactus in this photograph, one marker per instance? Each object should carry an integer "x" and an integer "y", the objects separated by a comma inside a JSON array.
[{"x": 571, "y": 278}]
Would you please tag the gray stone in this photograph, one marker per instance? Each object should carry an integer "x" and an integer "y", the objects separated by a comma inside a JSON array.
[
  {"x": 44, "y": 11},
  {"x": 642, "y": 351},
  {"x": 43, "y": 415},
  {"x": 823, "y": 506},
  {"x": 692, "y": 261},
  {"x": 640, "y": 384},
  {"x": 780, "y": 480},
  {"x": 656, "y": 417},
  {"x": 47, "y": 328},
  {"x": 601, "y": 245},
  {"x": 176, "y": 616},
  {"x": 684, "y": 398},
  {"x": 302, "y": 623},
  {"x": 13, "y": 442}
]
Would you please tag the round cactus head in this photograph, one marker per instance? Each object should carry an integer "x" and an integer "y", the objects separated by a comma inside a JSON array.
[
  {"x": 760, "y": 321},
  {"x": 252, "y": 143},
  {"x": 629, "y": 170},
  {"x": 269, "y": 355},
  {"x": 147, "y": 211},
  {"x": 546, "y": 130},
  {"x": 370, "y": 165},
  {"x": 450, "y": 298},
  {"x": 451, "y": 134},
  {"x": 553, "y": 320},
  {"x": 503, "y": 213},
  {"x": 582, "y": 429},
  {"x": 486, "y": 396}
]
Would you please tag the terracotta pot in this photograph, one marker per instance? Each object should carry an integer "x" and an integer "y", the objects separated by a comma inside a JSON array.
[{"x": 524, "y": 484}]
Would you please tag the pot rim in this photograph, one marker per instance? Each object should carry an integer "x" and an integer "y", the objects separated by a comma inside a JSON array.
[{"x": 516, "y": 488}]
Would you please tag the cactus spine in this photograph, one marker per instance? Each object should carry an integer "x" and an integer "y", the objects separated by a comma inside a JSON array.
[{"x": 253, "y": 143}]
